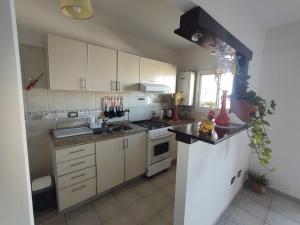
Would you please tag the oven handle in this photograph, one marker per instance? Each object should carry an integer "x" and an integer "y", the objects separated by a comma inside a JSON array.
[{"x": 161, "y": 137}]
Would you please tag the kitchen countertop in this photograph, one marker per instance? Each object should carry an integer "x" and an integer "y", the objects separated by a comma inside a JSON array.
[
  {"x": 59, "y": 143},
  {"x": 179, "y": 122},
  {"x": 190, "y": 133}
]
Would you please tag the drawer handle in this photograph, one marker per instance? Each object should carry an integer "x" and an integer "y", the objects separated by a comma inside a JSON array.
[
  {"x": 76, "y": 151},
  {"x": 77, "y": 164},
  {"x": 75, "y": 177},
  {"x": 77, "y": 189}
]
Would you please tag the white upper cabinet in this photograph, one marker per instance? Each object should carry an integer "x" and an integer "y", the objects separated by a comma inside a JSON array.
[
  {"x": 102, "y": 68},
  {"x": 128, "y": 71},
  {"x": 151, "y": 71},
  {"x": 170, "y": 76},
  {"x": 67, "y": 63}
]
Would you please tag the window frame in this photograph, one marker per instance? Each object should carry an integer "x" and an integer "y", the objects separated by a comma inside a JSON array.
[{"x": 197, "y": 102}]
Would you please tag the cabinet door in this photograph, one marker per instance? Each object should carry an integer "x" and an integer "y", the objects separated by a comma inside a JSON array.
[
  {"x": 170, "y": 76},
  {"x": 135, "y": 155},
  {"x": 110, "y": 163},
  {"x": 151, "y": 71},
  {"x": 128, "y": 71},
  {"x": 67, "y": 63},
  {"x": 102, "y": 68}
]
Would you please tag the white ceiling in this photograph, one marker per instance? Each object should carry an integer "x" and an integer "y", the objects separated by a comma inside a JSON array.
[
  {"x": 274, "y": 13},
  {"x": 155, "y": 20}
]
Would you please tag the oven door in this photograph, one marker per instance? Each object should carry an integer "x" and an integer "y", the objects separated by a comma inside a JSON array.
[{"x": 160, "y": 148}]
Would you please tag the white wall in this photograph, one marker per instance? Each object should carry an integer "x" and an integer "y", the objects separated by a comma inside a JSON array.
[
  {"x": 15, "y": 197},
  {"x": 34, "y": 26},
  {"x": 203, "y": 179},
  {"x": 280, "y": 81}
]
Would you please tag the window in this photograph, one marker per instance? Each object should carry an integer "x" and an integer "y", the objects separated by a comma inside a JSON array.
[{"x": 211, "y": 87}]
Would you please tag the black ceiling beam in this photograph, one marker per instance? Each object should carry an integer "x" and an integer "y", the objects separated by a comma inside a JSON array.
[{"x": 198, "y": 20}]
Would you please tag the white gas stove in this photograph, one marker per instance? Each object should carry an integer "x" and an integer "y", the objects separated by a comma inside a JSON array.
[{"x": 159, "y": 145}]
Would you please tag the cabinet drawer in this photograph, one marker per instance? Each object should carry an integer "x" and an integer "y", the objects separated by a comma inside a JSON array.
[
  {"x": 74, "y": 152},
  {"x": 76, "y": 177},
  {"x": 76, "y": 193},
  {"x": 75, "y": 165}
]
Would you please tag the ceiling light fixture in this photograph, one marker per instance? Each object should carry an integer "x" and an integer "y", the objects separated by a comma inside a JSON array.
[
  {"x": 77, "y": 9},
  {"x": 196, "y": 36}
]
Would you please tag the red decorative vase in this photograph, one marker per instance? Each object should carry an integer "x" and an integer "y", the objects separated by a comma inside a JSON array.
[
  {"x": 175, "y": 115},
  {"x": 223, "y": 119}
]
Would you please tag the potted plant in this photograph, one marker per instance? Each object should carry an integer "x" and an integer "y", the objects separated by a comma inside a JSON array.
[
  {"x": 243, "y": 101},
  {"x": 257, "y": 182}
]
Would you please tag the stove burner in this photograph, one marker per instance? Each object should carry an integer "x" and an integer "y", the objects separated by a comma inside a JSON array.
[{"x": 151, "y": 124}]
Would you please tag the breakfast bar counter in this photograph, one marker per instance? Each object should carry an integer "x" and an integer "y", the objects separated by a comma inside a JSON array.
[
  {"x": 189, "y": 133},
  {"x": 211, "y": 169}
]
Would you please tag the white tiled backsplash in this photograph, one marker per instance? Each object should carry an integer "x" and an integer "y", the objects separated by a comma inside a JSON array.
[{"x": 45, "y": 100}]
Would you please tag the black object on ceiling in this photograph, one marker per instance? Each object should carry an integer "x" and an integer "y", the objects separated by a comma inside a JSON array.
[{"x": 207, "y": 30}]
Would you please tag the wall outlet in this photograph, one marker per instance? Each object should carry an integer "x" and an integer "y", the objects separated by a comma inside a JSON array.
[
  {"x": 239, "y": 173},
  {"x": 232, "y": 180}
]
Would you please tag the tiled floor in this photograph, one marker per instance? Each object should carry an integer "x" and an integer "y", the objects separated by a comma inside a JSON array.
[
  {"x": 269, "y": 209},
  {"x": 143, "y": 202},
  {"x": 151, "y": 202}
]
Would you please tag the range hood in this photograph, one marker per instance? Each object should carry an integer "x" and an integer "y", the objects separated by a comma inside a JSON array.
[
  {"x": 197, "y": 26},
  {"x": 153, "y": 87}
]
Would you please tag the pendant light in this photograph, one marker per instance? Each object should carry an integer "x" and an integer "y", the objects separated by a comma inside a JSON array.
[{"x": 77, "y": 9}]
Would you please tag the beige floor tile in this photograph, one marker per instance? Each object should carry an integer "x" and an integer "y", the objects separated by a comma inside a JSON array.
[
  {"x": 160, "y": 180},
  {"x": 144, "y": 187},
  {"x": 140, "y": 211},
  {"x": 252, "y": 207},
  {"x": 127, "y": 196},
  {"x": 158, "y": 200},
  {"x": 156, "y": 220},
  {"x": 275, "y": 218},
  {"x": 123, "y": 218},
  {"x": 167, "y": 213},
  {"x": 83, "y": 216},
  {"x": 58, "y": 220},
  {"x": 169, "y": 190},
  {"x": 287, "y": 207},
  {"x": 264, "y": 199},
  {"x": 45, "y": 215},
  {"x": 107, "y": 206},
  {"x": 171, "y": 173},
  {"x": 242, "y": 217}
]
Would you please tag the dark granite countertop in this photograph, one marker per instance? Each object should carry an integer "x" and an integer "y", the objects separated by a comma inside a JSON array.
[
  {"x": 190, "y": 133},
  {"x": 178, "y": 123},
  {"x": 59, "y": 143}
]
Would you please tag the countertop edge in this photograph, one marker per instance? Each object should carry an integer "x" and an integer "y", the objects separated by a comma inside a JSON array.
[{"x": 190, "y": 138}]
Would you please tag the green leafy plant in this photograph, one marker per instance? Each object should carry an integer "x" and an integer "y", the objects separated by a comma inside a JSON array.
[
  {"x": 258, "y": 178},
  {"x": 257, "y": 131}
]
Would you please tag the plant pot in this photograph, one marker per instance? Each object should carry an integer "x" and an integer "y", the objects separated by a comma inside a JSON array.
[
  {"x": 258, "y": 188},
  {"x": 243, "y": 109}
]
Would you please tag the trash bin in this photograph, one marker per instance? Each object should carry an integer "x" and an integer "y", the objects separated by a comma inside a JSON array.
[{"x": 43, "y": 193}]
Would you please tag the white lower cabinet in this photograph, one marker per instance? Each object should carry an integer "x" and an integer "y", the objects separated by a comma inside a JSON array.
[
  {"x": 135, "y": 155},
  {"x": 119, "y": 160},
  {"x": 110, "y": 163},
  {"x": 77, "y": 193},
  {"x": 75, "y": 174}
]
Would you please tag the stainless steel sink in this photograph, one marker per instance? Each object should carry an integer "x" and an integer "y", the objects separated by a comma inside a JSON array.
[
  {"x": 111, "y": 129},
  {"x": 119, "y": 128},
  {"x": 69, "y": 132}
]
